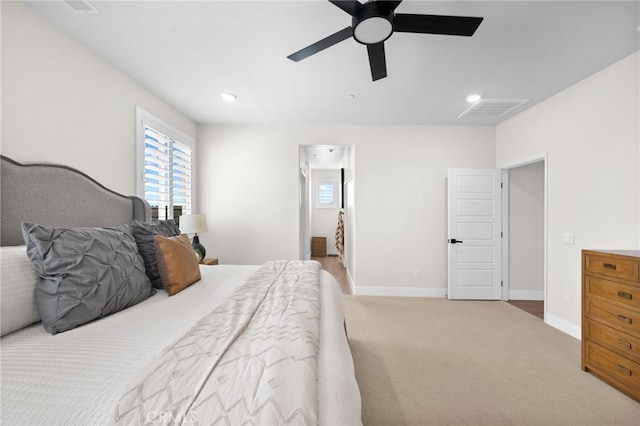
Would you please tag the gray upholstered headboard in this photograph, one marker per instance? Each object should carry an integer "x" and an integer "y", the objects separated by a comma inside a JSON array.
[{"x": 55, "y": 195}]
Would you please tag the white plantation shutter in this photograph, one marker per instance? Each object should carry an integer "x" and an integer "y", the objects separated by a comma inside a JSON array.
[
  {"x": 182, "y": 177},
  {"x": 166, "y": 160},
  {"x": 325, "y": 193},
  {"x": 157, "y": 171}
]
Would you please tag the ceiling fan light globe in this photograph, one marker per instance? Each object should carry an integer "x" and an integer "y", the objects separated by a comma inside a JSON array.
[{"x": 372, "y": 30}]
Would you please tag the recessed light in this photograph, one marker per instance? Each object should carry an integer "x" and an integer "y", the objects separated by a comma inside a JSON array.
[
  {"x": 229, "y": 97},
  {"x": 350, "y": 97},
  {"x": 473, "y": 98}
]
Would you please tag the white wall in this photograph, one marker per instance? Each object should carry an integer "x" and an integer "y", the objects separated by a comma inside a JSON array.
[
  {"x": 591, "y": 134},
  {"x": 526, "y": 232},
  {"x": 63, "y": 103},
  {"x": 249, "y": 178},
  {"x": 249, "y": 192}
]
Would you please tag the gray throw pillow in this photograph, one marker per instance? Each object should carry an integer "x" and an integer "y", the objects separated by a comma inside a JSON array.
[
  {"x": 144, "y": 233},
  {"x": 84, "y": 273}
]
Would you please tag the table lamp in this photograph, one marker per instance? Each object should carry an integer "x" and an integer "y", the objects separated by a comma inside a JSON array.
[{"x": 194, "y": 224}]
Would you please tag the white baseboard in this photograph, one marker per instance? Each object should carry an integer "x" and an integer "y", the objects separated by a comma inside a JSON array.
[
  {"x": 563, "y": 325},
  {"x": 526, "y": 295},
  {"x": 400, "y": 291}
]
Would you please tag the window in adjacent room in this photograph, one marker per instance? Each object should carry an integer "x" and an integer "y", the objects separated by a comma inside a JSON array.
[
  {"x": 327, "y": 194},
  {"x": 166, "y": 167}
]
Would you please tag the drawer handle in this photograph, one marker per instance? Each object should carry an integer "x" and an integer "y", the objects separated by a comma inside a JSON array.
[
  {"x": 625, "y": 295},
  {"x": 611, "y": 266},
  {"x": 624, "y": 370},
  {"x": 624, "y": 344},
  {"x": 624, "y": 319}
]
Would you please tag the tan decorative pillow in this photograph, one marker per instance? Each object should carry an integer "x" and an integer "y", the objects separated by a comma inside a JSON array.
[{"x": 177, "y": 263}]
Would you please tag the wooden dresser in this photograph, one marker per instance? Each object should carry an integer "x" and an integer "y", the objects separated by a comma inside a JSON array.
[{"x": 611, "y": 317}]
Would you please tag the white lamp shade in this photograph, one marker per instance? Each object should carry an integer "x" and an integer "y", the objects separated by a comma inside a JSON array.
[{"x": 193, "y": 224}]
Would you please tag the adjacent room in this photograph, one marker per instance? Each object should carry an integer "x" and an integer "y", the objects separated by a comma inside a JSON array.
[{"x": 433, "y": 207}]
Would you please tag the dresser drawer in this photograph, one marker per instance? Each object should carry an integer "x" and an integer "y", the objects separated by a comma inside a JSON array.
[
  {"x": 616, "y": 369},
  {"x": 612, "y": 267},
  {"x": 616, "y": 316},
  {"x": 629, "y": 295},
  {"x": 623, "y": 343}
]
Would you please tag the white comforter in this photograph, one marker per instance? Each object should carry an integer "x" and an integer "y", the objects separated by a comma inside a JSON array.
[{"x": 78, "y": 376}]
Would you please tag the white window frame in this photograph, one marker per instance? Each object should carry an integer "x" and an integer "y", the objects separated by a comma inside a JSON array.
[
  {"x": 145, "y": 119},
  {"x": 336, "y": 195}
]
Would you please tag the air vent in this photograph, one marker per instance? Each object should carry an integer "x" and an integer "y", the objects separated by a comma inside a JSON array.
[
  {"x": 492, "y": 108},
  {"x": 80, "y": 6}
]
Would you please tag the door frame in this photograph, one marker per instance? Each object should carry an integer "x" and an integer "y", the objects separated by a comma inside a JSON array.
[
  {"x": 348, "y": 191},
  {"x": 505, "y": 223},
  {"x": 303, "y": 213}
]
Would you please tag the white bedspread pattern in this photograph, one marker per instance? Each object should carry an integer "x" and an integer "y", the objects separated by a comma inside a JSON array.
[{"x": 253, "y": 360}]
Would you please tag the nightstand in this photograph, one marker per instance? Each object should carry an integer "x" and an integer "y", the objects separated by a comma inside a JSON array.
[{"x": 209, "y": 261}]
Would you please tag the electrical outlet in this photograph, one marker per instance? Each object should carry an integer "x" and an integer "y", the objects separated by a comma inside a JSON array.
[
  {"x": 567, "y": 238},
  {"x": 566, "y": 302},
  {"x": 417, "y": 274}
]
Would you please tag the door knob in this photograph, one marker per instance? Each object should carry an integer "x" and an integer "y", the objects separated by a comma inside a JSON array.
[{"x": 454, "y": 241}]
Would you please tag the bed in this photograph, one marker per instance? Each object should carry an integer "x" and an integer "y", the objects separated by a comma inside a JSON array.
[{"x": 195, "y": 357}]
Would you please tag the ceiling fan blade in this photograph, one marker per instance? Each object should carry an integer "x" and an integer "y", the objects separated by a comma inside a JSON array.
[
  {"x": 377, "y": 61},
  {"x": 436, "y": 24},
  {"x": 322, "y": 44},
  {"x": 352, "y": 7}
]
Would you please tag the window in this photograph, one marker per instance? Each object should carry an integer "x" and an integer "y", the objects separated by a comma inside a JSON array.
[
  {"x": 326, "y": 194},
  {"x": 166, "y": 168}
]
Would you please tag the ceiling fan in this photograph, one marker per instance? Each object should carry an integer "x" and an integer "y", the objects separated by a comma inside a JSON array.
[{"x": 374, "y": 22}]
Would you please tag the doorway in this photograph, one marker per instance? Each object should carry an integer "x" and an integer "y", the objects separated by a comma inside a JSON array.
[
  {"x": 525, "y": 243},
  {"x": 327, "y": 204},
  {"x": 521, "y": 233}
]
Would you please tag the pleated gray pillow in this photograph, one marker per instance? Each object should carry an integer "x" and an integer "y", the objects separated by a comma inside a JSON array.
[
  {"x": 144, "y": 233},
  {"x": 84, "y": 273}
]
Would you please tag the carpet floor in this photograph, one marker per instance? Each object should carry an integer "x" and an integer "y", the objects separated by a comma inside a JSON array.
[{"x": 430, "y": 361}]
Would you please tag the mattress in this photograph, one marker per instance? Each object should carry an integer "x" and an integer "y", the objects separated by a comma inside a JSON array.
[{"x": 77, "y": 377}]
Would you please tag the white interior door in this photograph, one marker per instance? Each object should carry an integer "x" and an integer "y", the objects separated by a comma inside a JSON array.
[{"x": 474, "y": 235}]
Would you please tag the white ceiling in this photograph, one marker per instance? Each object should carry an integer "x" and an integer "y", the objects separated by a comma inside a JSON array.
[{"x": 188, "y": 52}]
